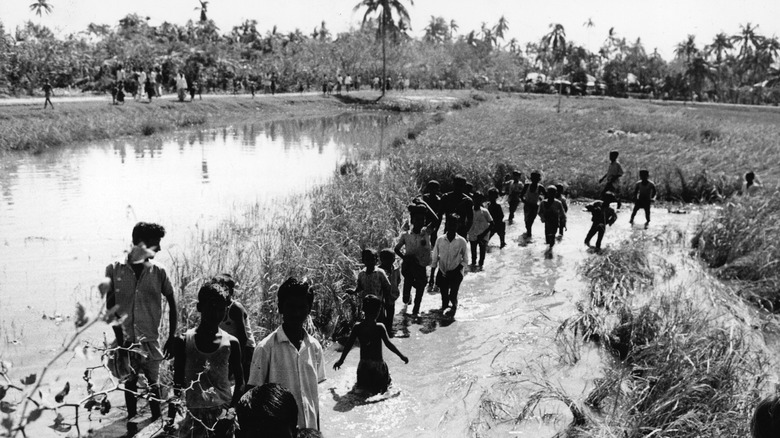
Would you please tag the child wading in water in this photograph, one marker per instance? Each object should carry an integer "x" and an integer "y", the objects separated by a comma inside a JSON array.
[
  {"x": 553, "y": 215},
  {"x": 479, "y": 231},
  {"x": 602, "y": 215},
  {"x": 372, "y": 373},
  {"x": 416, "y": 257},
  {"x": 497, "y": 213},
  {"x": 565, "y": 203},
  {"x": 387, "y": 264},
  {"x": 202, "y": 362},
  {"x": 371, "y": 281},
  {"x": 531, "y": 195},
  {"x": 644, "y": 195}
]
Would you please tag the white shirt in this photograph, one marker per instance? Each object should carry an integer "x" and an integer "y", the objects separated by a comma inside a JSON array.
[
  {"x": 276, "y": 360},
  {"x": 448, "y": 255}
]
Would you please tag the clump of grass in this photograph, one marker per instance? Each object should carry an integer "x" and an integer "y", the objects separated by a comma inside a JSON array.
[
  {"x": 617, "y": 273},
  {"x": 692, "y": 377},
  {"x": 683, "y": 371},
  {"x": 741, "y": 243},
  {"x": 150, "y": 127}
]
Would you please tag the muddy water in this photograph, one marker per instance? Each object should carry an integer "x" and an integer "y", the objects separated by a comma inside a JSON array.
[
  {"x": 68, "y": 212},
  {"x": 469, "y": 377}
]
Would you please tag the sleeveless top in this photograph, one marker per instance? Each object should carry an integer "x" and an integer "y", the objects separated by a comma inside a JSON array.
[{"x": 212, "y": 388}]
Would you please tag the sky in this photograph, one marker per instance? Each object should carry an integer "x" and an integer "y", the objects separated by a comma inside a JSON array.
[{"x": 660, "y": 24}]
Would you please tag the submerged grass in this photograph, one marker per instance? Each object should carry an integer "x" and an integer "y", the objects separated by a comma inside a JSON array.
[{"x": 682, "y": 370}]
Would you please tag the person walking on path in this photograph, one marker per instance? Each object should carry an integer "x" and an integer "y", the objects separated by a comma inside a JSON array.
[
  {"x": 47, "y": 91},
  {"x": 416, "y": 256},
  {"x": 614, "y": 172},
  {"x": 531, "y": 195}
]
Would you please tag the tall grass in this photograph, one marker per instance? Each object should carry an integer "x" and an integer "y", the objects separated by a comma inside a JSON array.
[
  {"x": 682, "y": 370},
  {"x": 692, "y": 154},
  {"x": 318, "y": 236},
  {"x": 740, "y": 241}
]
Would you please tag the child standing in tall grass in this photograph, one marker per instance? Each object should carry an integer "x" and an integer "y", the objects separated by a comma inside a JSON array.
[
  {"x": 644, "y": 195},
  {"x": 203, "y": 361},
  {"x": 480, "y": 228},
  {"x": 497, "y": 213},
  {"x": 531, "y": 195},
  {"x": 236, "y": 321},
  {"x": 602, "y": 215},
  {"x": 387, "y": 264}
]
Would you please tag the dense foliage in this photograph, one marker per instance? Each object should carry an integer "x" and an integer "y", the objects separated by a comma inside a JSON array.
[{"x": 725, "y": 70}]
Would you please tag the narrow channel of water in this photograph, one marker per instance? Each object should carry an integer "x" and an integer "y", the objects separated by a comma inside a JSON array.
[{"x": 68, "y": 212}]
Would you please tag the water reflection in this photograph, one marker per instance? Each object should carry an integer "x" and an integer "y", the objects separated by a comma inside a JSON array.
[{"x": 79, "y": 203}]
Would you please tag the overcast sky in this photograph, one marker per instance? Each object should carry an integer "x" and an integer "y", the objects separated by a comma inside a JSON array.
[{"x": 660, "y": 23}]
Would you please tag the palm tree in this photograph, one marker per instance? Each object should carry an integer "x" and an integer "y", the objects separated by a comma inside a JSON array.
[
  {"x": 589, "y": 25},
  {"x": 687, "y": 49},
  {"x": 436, "y": 31},
  {"x": 555, "y": 44},
  {"x": 453, "y": 28},
  {"x": 385, "y": 9},
  {"x": 501, "y": 27},
  {"x": 41, "y": 6},
  {"x": 719, "y": 45},
  {"x": 203, "y": 7},
  {"x": 748, "y": 39},
  {"x": 697, "y": 72}
]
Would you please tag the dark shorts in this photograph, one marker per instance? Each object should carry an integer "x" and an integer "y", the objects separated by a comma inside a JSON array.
[{"x": 373, "y": 376}]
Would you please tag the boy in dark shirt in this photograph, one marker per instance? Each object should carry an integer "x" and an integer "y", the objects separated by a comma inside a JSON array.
[
  {"x": 497, "y": 213},
  {"x": 644, "y": 195},
  {"x": 47, "y": 90},
  {"x": 602, "y": 215}
]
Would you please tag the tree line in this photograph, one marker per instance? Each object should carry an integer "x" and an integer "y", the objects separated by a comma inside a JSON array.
[{"x": 731, "y": 68}]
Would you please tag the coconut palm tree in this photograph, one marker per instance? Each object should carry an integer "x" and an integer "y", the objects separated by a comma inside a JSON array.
[
  {"x": 554, "y": 43},
  {"x": 41, "y": 6},
  {"x": 501, "y": 27},
  {"x": 436, "y": 30},
  {"x": 720, "y": 44},
  {"x": 385, "y": 9},
  {"x": 748, "y": 40},
  {"x": 453, "y": 27},
  {"x": 687, "y": 49},
  {"x": 203, "y": 8}
]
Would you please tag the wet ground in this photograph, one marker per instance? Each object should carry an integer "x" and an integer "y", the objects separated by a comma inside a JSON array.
[{"x": 471, "y": 376}]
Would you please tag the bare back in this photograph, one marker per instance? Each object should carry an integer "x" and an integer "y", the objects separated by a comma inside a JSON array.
[{"x": 370, "y": 334}]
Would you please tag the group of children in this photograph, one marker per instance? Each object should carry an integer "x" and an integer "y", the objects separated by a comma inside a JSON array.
[{"x": 219, "y": 370}]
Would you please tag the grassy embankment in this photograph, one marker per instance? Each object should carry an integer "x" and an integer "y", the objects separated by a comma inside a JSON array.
[
  {"x": 31, "y": 128},
  {"x": 681, "y": 367},
  {"x": 680, "y": 372}
]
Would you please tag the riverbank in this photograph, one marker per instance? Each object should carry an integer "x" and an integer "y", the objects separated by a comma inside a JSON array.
[
  {"x": 25, "y": 126},
  {"x": 363, "y": 206}
]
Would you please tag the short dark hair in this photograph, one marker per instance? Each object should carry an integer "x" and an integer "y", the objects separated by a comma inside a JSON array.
[
  {"x": 644, "y": 172},
  {"x": 292, "y": 288},
  {"x": 265, "y": 408},
  {"x": 213, "y": 294},
  {"x": 614, "y": 153},
  {"x": 493, "y": 193},
  {"x": 370, "y": 252},
  {"x": 309, "y": 433},
  {"x": 750, "y": 175},
  {"x": 387, "y": 254},
  {"x": 225, "y": 280},
  {"x": 766, "y": 418},
  {"x": 143, "y": 231},
  {"x": 371, "y": 304}
]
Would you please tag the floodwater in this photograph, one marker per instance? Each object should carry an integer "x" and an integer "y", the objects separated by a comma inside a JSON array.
[
  {"x": 68, "y": 212},
  {"x": 471, "y": 377}
]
